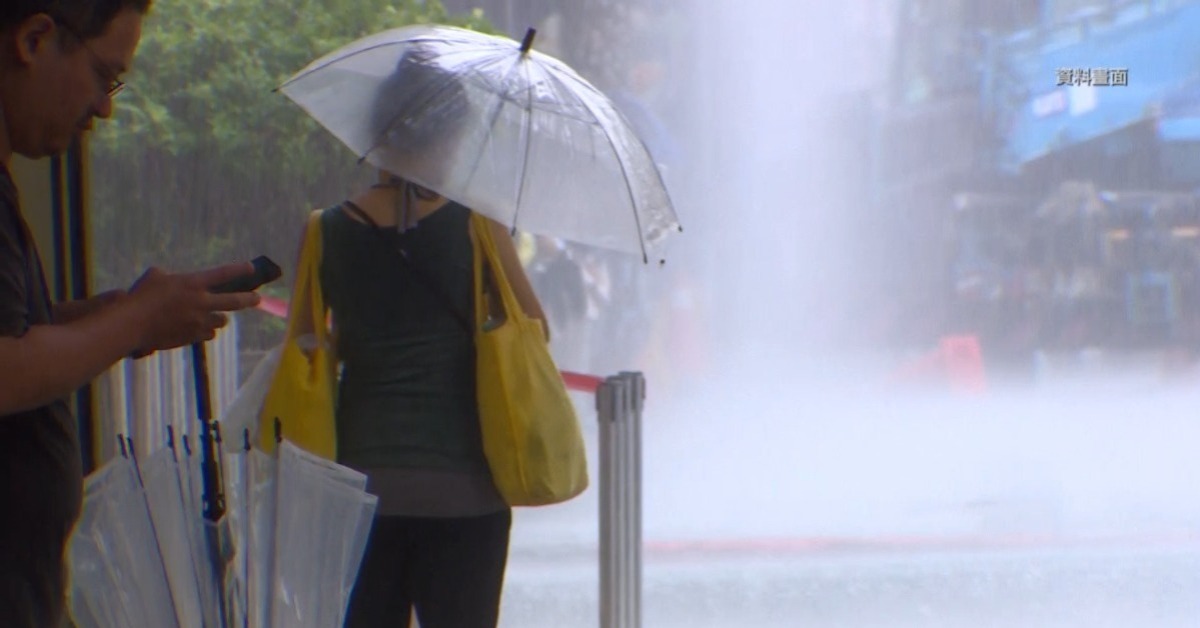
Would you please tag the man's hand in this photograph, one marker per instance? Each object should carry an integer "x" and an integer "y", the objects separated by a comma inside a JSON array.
[
  {"x": 161, "y": 311},
  {"x": 179, "y": 309}
]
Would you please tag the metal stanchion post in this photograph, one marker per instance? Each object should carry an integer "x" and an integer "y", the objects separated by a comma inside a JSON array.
[
  {"x": 619, "y": 405},
  {"x": 606, "y": 410},
  {"x": 621, "y": 512},
  {"x": 636, "y": 395}
]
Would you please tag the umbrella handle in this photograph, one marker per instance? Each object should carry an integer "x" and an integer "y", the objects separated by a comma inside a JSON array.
[{"x": 214, "y": 495}]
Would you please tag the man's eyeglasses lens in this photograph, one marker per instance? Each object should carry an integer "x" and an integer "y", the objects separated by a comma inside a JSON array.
[{"x": 114, "y": 85}]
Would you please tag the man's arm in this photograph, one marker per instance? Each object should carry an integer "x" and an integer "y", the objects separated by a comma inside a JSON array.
[
  {"x": 51, "y": 361},
  {"x": 70, "y": 311},
  {"x": 162, "y": 311}
]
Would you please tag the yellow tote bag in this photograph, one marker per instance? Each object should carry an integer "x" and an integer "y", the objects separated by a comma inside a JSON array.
[
  {"x": 531, "y": 436},
  {"x": 302, "y": 390}
]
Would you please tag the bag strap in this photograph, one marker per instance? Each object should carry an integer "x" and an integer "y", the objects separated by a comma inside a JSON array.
[
  {"x": 306, "y": 288},
  {"x": 420, "y": 277},
  {"x": 486, "y": 244}
]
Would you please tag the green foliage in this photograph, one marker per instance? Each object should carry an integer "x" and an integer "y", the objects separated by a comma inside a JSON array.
[{"x": 203, "y": 162}]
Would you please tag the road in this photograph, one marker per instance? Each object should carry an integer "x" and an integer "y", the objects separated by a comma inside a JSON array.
[{"x": 1075, "y": 504}]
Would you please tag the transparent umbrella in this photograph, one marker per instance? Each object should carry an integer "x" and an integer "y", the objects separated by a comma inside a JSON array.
[
  {"x": 237, "y": 472},
  {"x": 294, "y": 534},
  {"x": 324, "y": 516},
  {"x": 118, "y": 574},
  {"x": 261, "y": 484},
  {"x": 490, "y": 123},
  {"x": 161, "y": 475}
]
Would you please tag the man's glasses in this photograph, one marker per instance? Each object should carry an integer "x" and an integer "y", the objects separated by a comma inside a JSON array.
[{"x": 111, "y": 84}]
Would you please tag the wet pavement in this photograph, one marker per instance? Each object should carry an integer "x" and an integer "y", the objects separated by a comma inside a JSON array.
[{"x": 1072, "y": 505}]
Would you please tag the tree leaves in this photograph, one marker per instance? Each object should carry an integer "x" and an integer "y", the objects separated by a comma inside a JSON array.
[{"x": 202, "y": 162}]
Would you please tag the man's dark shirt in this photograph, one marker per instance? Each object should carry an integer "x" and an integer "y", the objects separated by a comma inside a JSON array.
[{"x": 41, "y": 477}]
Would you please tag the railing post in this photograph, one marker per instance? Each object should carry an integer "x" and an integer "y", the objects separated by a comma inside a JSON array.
[
  {"x": 636, "y": 383},
  {"x": 606, "y": 410},
  {"x": 619, "y": 403}
]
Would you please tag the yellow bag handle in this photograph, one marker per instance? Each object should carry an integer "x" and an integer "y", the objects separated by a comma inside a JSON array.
[
  {"x": 508, "y": 298},
  {"x": 307, "y": 290},
  {"x": 306, "y": 293}
]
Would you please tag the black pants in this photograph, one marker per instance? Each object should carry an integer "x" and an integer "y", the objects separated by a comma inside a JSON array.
[{"x": 450, "y": 569}]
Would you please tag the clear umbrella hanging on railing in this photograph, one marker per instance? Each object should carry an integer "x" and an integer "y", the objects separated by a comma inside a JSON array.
[
  {"x": 119, "y": 577},
  {"x": 163, "y": 479},
  {"x": 141, "y": 555},
  {"x": 324, "y": 516}
]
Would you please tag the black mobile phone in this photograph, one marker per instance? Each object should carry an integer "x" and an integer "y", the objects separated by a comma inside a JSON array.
[{"x": 265, "y": 271}]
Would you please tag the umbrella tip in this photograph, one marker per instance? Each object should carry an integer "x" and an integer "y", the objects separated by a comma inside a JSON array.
[
  {"x": 121, "y": 442},
  {"x": 278, "y": 430},
  {"x": 246, "y": 439},
  {"x": 527, "y": 43}
]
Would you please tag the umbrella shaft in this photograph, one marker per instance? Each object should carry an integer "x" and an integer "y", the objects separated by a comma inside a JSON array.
[
  {"x": 214, "y": 496},
  {"x": 200, "y": 378}
]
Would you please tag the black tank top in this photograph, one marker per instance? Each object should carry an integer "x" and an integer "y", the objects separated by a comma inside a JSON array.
[{"x": 407, "y": 393}]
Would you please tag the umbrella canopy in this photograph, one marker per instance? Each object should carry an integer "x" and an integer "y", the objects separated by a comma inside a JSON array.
[
  {"x": 323, "y": 520},
  {"x": 118, "y": 574},
  {"x": 512, "y": 133},
  {"x": 291, "y": 545}
]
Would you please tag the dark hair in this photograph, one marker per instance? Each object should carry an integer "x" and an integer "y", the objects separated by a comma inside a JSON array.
[
  {"x": 84, "y": 18},
  {"x": 418, "y": 105}
]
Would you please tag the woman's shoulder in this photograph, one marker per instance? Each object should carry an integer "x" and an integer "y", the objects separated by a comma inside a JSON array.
[
  {"x": 334, "y": 214},
  {"x": 457, "y": 209},
  {"x": 332, "y": 221}
]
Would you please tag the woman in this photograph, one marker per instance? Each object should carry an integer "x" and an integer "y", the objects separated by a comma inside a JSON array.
[{"x": 397, "y": 274}]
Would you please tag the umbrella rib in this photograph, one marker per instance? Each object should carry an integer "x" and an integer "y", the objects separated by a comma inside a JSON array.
[
  {"x": 420, "y": 107},
  {"x": 341, "y": 58},
  {"x": 381, "y": 136},
  {"x": 495, "y": 116},
  {"x": 162, "y": 561},
  {"x": 528, "y": 130},
  {"x": 657, "y": 173},
  {"x": 624, "y": 171},
  {"x": 474, "y": 76}
]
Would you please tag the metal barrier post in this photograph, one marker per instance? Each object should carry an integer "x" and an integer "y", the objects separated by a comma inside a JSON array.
[
  {"x": 606, "y": 409},
  {"x": 619, "y": 403},
  {"x": 636, "y": 383}
]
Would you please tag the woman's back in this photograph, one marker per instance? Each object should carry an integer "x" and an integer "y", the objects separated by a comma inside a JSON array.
[{"x": 407, "y": 395}]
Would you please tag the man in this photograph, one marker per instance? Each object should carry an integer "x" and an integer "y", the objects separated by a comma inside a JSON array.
[{"x": 60, "y": 66}]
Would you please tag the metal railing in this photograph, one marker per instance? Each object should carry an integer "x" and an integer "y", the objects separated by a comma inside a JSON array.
[{"x": 141, "y": 398}]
